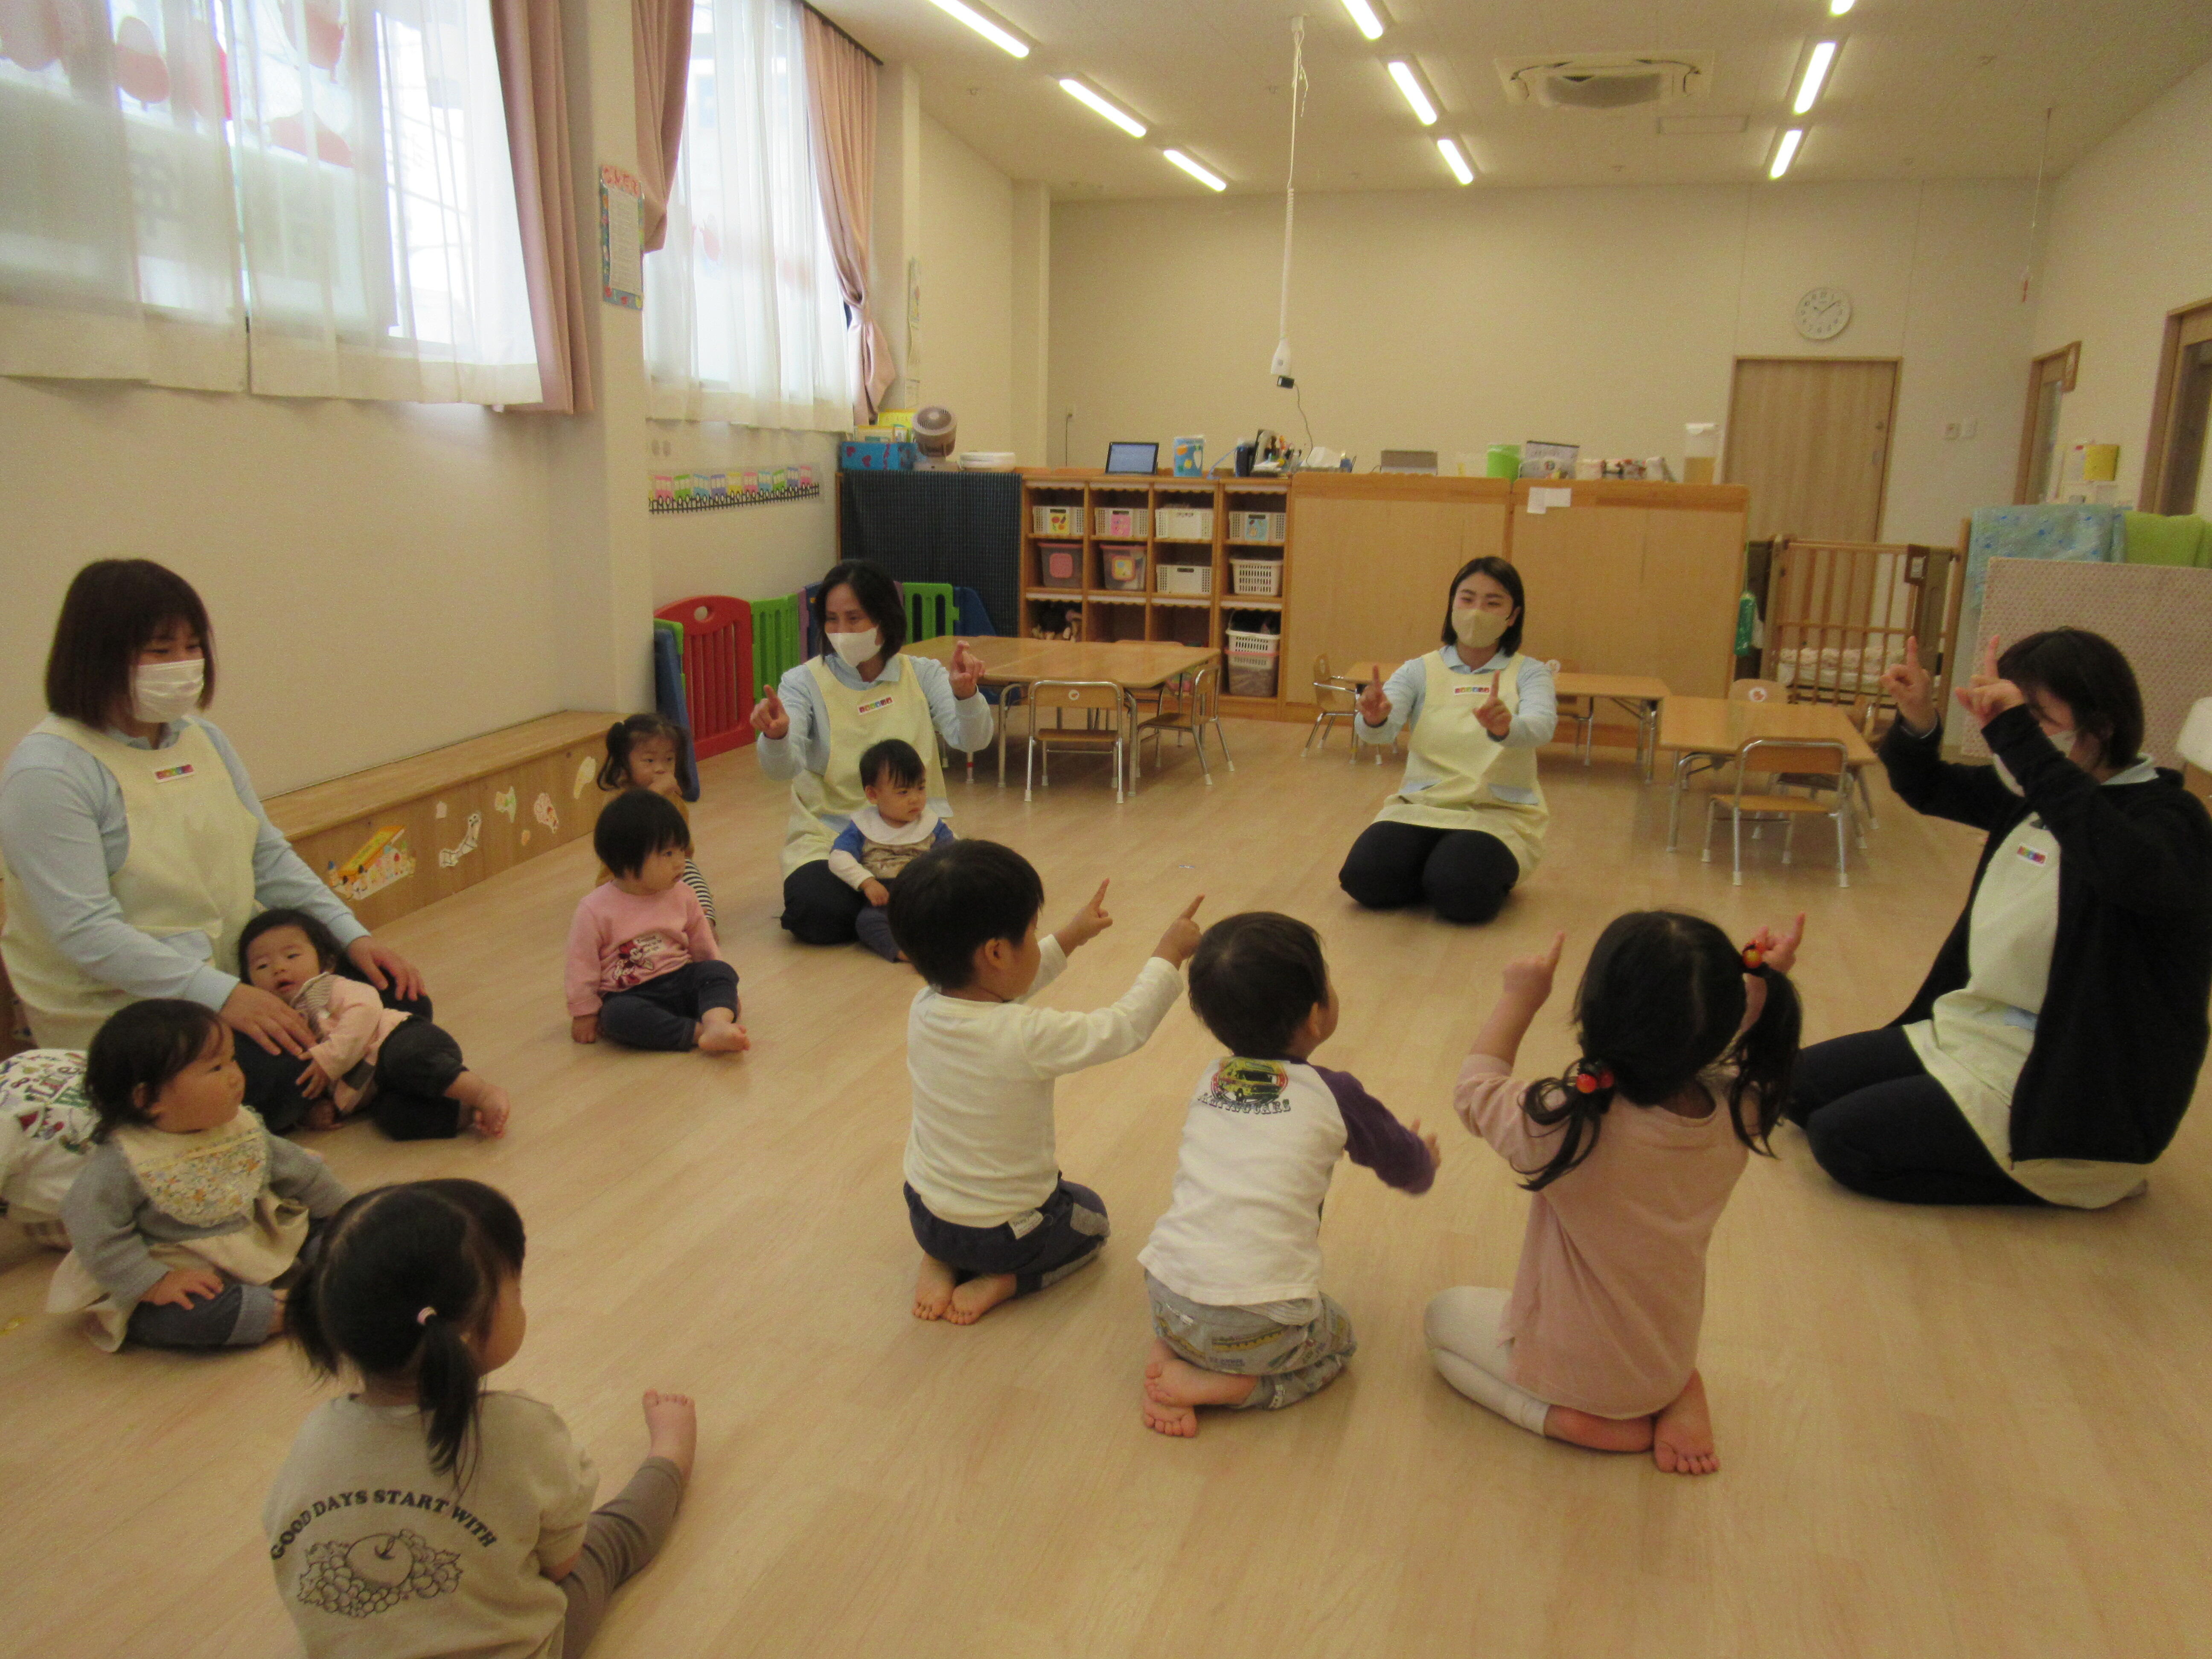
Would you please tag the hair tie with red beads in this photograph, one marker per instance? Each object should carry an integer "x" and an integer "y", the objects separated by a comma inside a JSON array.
[
  {"x": 1590, "y": 1076},
  {"x": 1754, "y": 958}
]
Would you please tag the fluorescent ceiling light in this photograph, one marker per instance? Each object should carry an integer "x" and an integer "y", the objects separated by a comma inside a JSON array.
[
  {"x": 1371, "y": 26},
  {"x": 1786, "y": 152},
  {"x": 1120, "y": 118},
  {"x": 984, "y": 27},
  {"x": 1410, "y": 84},
  {"x": 1838, "y": 7},
  {"x": 1204, "y": 176},
  {"x": 1816, "y": 71},
  {"x": 1456, "y": 161}
]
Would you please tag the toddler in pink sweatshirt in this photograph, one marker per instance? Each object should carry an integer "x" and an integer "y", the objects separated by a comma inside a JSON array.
[{"x": 643, "y": 966}]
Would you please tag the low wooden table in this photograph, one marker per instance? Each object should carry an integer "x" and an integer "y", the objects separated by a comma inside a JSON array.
[
  {"x": 1132, "y": 664},
  {"x": 1713, "y": 729},
  {"x": 1638, "y": 694}
]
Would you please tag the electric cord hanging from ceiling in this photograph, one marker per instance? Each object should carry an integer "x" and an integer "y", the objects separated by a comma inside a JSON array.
[
  {"x": 1281, "y": 367},
  {"x": 2035, "y": 212}
]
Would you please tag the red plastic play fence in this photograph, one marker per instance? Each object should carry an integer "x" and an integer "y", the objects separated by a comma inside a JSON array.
[{"x": 718, "y": 670}]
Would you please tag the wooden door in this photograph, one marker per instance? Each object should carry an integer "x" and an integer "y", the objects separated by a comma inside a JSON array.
[
  {"x": 2181, "y": 415},
  {"x": 1809, "y": 437}
]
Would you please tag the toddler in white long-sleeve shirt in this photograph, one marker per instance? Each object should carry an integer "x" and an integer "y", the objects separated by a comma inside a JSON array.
[{"x": 984, "y": 1193}]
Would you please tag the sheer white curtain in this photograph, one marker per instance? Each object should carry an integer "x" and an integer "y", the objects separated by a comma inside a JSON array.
[
  {"x": 745, "y": 319},
  {"x": 376, "y": 202},
  {"x": 118, "y": 253}
]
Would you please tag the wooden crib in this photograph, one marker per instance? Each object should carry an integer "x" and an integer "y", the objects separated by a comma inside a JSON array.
[{"x": 1838, "y": 613}]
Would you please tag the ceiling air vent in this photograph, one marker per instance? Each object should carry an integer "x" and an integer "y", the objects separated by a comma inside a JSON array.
[{"x": 1607, "y": 80}]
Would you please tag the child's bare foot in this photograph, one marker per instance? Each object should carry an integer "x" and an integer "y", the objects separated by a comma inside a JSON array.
[
  {"x": 1174, "y": 1389},
  {"x": 933, "y": 1289},
  {"x": 1683, "y": 1437},
  {"x": 484, "y": 1105},
  {"x": 1611, "y": 1434},
  {"x": 322, "y": 1115},
  {"x": 672, "y": 1427},
  {"x": 722, "y": 1037},
  {"x": 971, "y": 1301}
]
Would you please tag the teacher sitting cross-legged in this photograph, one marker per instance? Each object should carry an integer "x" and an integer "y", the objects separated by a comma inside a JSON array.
[
  {"x": 2055, "y": 1045},
  {"x": 1469, "y": 821},
  {"x": 136, "y": 849}
]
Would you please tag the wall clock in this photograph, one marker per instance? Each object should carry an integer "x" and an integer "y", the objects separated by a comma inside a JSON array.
[{"x": 1823, "y": 312}]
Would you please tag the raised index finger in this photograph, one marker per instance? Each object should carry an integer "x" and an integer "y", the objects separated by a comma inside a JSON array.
[
  {"x": 1990, "y": 657},
  {"x": 1191, "y": 909},
  {"x": 1098, "y": 899}
]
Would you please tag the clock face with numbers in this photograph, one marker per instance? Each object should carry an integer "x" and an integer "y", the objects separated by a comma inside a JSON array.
[{"x": 1824, "y": 313}]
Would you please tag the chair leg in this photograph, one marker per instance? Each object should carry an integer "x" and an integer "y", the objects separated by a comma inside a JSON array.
[
  {"x": 1737, "y": 825},
  {"x": 1788, "y": 835},
  {"x": 1222, "y": 738},
  {"x": 1029, "y": 766},
  {"x": 1712, "y": 806},
  {"x": 1319, "y": 728},
  {"x": 1118, "y": 796},
  {"x": 1843, "y": 855}
]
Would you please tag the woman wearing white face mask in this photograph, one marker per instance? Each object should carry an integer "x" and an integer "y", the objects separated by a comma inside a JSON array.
[
  {"x": 1468, "y": 821},
  {"x": 2055, "y": 1046},
  {"x": 814, "y": 726},
  {"x": 135, "y": 847}
]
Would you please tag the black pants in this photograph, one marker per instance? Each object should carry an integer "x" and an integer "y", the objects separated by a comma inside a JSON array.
[
  {"x": 665, "y": 1012},
  {"x": 1881, "y": 1125},
  {"x": 415, "y": 1066},
  {"x": 272, "y": 1081},
  {"x": 1071, "y": 1230},
  {"x": 818, "y": 907},
  {"x": 1464, "y": 874}
]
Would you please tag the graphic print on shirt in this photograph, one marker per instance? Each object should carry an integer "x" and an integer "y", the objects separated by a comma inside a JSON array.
[
  {"x": 1254, "y": 1088},
  {"x": 374, "y": 1574},
  {"x": 641, "y": 959}
]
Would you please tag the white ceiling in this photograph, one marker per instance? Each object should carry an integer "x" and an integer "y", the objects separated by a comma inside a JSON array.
[{"x": 1922, "y": 89}]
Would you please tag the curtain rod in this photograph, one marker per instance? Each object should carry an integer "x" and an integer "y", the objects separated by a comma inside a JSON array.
[{"x": 848, "y": 35}]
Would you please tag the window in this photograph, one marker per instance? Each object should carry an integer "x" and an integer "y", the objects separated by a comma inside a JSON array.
[
  {"x": 744, "y": 319},
  {"x": 346, "y": 187}
]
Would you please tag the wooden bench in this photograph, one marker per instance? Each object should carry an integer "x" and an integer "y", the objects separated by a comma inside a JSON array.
[{"x": 396, "y": 837}]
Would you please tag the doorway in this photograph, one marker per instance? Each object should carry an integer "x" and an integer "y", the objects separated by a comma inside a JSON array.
[
  {"x": 2049, "y": 377},
  {"x": 1809, "y": 437},
  {"x": 2175, "y": 472}
]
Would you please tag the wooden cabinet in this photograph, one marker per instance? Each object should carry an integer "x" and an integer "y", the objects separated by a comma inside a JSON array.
[
  {"x": 1635, "y": 578},
  {"x": 1376, "y": 552}
]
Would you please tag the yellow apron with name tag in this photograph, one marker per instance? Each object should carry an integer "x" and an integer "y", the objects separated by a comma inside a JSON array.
[
  {"x": 1460, "y": 777},
  {"x": 822, "y": 805},
  {"x": 189, "y": 870}
]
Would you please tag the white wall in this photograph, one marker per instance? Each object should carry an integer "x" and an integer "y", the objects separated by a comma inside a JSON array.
[
  {"x": 2129, "y": 239},
  {"x": 1450, "y": 320},
  {"x": 966, "y": 361},
  {"x": 377, "y": 574},
  {"x": 754, "y": 552}
]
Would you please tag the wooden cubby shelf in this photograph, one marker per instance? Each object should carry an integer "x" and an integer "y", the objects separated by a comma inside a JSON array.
[{"x": 1089, "y": 525}]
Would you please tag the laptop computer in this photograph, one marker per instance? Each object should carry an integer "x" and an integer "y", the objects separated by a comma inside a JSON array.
[{"x": 1132, "y": 457}]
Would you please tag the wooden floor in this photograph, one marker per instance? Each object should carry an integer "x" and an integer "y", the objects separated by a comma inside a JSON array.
[{"x": 1944, "y": 1433}]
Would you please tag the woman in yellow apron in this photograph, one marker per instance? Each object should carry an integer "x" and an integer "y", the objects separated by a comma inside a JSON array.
[
  {"x": 1469, "y": 821},
  {"x": 814, "y": 724},
  {"x": 131, "y": 844}
]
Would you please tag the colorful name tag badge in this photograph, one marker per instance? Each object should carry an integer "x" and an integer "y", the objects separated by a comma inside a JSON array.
[
  {"x": 171, "y": 773},
  {"x": 877, "y": 705},
  {"x": 2033, "y": 855}
]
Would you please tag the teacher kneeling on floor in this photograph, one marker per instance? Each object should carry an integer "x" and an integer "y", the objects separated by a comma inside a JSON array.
[{"x": 1469, "y": 821}]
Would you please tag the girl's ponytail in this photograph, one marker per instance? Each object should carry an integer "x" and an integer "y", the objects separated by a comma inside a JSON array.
[
  {"x": 1578, "y": 1099},
  {"x": 399, "y": 1285},
  {"x": 1765, "y": 1060},
  {"x": 614, "y": 774}
]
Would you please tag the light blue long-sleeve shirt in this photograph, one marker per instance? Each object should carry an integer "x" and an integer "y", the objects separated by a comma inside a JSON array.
[
  {"x": 64, "y": 834},
  {"x": 1407, "y": 689},
  {"x": 965, "y": 723}
]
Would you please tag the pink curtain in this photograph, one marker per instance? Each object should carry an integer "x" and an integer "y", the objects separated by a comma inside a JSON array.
[
  {"x": 661, "y": 54},
  {"x": 533, "y": 84},
  {"x": 841, "y": 99}
]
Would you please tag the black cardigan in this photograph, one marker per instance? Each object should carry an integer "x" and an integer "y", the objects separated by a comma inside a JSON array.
[{"x": 2123, "y": 1028}]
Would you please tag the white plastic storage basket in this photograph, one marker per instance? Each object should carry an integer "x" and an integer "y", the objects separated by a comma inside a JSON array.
[
  {"x": 1259, "y": 579},
  {"x": 1050, "y": 520},
  {"x": 1122, "y": 523},
  {"x": 1247, "y": 526},
  {"x": 1187, "y": 579},
  {"x": 1184, "y": 524}
]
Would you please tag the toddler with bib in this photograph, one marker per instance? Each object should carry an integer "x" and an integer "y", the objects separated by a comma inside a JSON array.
[
  {"x": 407, "y": 1072},
  {"x": 1687, "y": 1046},
  {"x": 984, "y": 1194},
  {"x": 186, "y": 1195},
  {"x": 425, "y": 1514},
  {"x": 897, "y": 827},
  {"x": 1234, "y": 1266}
]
